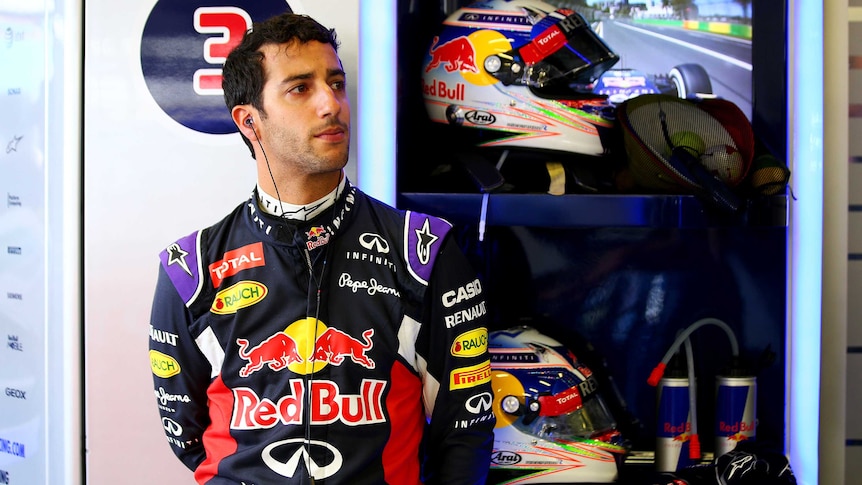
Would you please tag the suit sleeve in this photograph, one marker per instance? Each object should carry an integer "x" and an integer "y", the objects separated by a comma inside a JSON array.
[
  {"x": 181, "y": 373},
  {"x": 454, "y": 341}
]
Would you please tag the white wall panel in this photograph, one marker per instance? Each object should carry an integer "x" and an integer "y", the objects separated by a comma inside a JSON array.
[
  {"x": 40, "y": 169},
  {"x": 855, "y": 95},
  {"x": 854, "y": 314},
  {"x": 854, "y": 232},
  {"x": 854, "y": 465},
  {"x": 854, "y": 395},
  {"x": 853, "y": 429},
  {"x": 855, "y": 130},
  {"x": 855, "y": 173}
]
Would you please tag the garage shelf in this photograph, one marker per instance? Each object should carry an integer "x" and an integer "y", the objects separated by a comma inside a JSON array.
[{"x": 586, "y": 210}]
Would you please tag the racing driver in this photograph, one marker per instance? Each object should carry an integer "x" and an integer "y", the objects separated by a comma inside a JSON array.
[{"x": 315, "y": 334}]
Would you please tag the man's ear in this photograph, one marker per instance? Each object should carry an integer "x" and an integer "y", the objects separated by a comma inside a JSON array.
[{"x": 243, "y": 116}]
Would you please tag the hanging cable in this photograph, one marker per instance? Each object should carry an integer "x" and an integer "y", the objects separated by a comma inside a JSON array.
[
  {"x": 694, "y": 439},
  {"x": 659, "y": 369}
]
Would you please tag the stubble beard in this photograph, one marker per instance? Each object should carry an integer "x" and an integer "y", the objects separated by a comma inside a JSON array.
[{"x": 306, "y": 156}]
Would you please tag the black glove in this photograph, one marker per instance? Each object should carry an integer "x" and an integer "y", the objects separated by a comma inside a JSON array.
[{"x": 750, "y": 464}]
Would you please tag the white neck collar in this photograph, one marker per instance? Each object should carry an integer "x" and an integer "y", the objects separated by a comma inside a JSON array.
[{"x": 271, "y": 205}]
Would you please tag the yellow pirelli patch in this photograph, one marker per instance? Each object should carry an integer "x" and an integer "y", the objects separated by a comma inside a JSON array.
[{"x": 464, "y": 377}]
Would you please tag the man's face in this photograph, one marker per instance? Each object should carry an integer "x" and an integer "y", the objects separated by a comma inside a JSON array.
[{"x": 307, "y": 124}]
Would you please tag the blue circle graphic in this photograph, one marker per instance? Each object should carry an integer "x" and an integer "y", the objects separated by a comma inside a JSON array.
[{"x": 183, "y": 47}]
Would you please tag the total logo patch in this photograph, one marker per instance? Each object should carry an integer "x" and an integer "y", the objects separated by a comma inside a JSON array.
[
  {"x": 183, "y": 48},
  {"x": 236, "y": 260}
]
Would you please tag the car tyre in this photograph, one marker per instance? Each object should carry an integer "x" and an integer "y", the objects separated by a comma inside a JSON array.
[{"x": 690, "y": 80}]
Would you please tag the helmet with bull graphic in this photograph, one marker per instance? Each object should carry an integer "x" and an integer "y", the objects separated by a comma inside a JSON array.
[
  {"x": 552, "y": 423},
  {"x": 518, "y": 71}
]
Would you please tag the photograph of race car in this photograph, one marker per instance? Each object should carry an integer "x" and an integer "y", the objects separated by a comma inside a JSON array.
[{"x": 683, "y": 80}]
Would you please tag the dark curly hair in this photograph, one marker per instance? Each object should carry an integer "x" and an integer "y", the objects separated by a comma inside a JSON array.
[{"x": 243, "y": 76}]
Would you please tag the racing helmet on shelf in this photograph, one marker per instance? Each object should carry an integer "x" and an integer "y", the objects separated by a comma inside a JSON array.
[
  {"x": 552, "y": 424},
  {"x": 519, "y": 71}
]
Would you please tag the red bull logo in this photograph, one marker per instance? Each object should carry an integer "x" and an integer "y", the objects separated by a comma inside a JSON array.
[
  {"x": 455, "y": 55},
  {"x": 315, "y": 232},
  {"x": 295, "y": 349},
  {"x": 328, "y": 405},
  {"x": 443, "y": 90},
  {"x": 679, "y": 432},
  {"x": 735, "y": 429},
  {"x": 334, "y": 346},
  {"x": 737, "y": 437},
  {"x": 735, "y": 412},
  {"x": 673, "y": 430},
  {"x": 277, "y": 352},
  {"x": 317, "y": 236}
]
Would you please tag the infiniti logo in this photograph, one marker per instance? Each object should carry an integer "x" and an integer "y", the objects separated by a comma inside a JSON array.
[
  {"x": 321, "y": 459},
  {"x": 172, "y": 426},
  {"x": 479, "y": 403},
  {"x": 370, "y": 241}
]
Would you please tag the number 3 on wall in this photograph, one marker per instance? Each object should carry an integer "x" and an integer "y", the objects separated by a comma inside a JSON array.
[{"x": 232, "y": 23}]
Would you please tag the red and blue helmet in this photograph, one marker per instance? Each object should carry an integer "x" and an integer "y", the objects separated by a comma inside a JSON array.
[
  {"x": 513, "y": 67},
  {"x": 552, "y": 423}
]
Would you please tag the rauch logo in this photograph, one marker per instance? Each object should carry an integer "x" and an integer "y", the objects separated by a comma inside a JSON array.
[{"x": 238, "y": 296}]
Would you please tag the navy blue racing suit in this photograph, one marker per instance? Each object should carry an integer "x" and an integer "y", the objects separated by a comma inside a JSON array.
[{"x": 351, "y": 348}]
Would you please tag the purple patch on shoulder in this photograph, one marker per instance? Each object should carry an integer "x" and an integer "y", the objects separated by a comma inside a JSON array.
[
  {"x": 180, "y": 261},
  {"x": 423, "y": 237}
]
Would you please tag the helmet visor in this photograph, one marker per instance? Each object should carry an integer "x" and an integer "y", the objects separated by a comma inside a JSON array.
[
  {"x": 591, "y": 420},
  {"x": 564, "y": 48}
]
